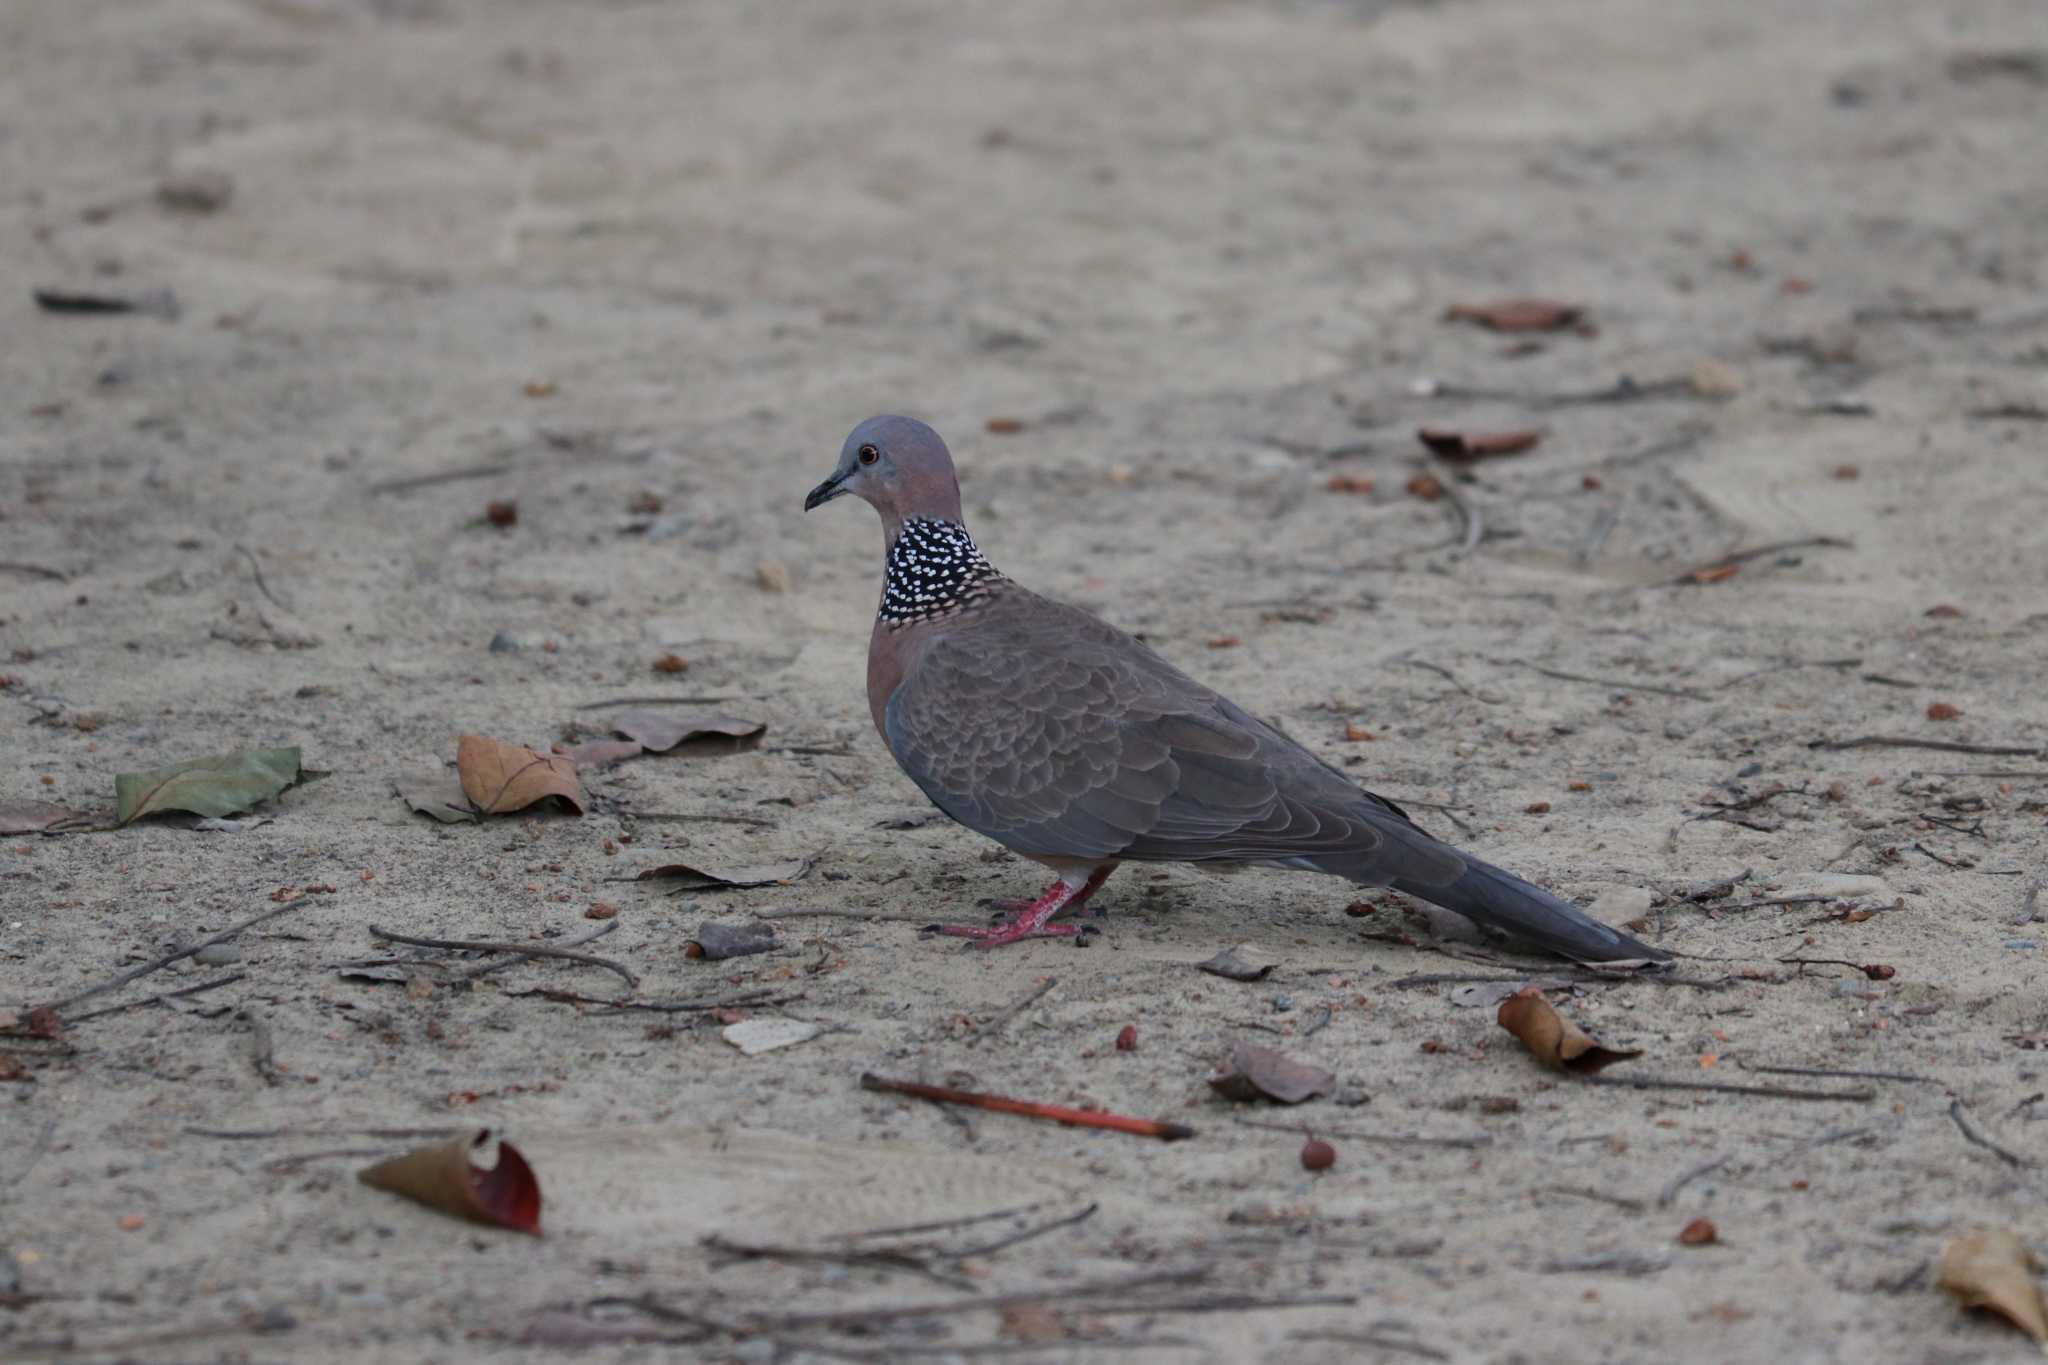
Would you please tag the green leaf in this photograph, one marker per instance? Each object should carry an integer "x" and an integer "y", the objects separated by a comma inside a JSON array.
[{"x": 220, "y": 785}]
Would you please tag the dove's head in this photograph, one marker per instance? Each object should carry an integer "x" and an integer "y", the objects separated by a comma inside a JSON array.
[{"x": 900, "y": 467}]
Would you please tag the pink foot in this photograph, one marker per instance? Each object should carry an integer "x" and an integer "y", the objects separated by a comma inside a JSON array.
[{"x": 1029, "y": 919}]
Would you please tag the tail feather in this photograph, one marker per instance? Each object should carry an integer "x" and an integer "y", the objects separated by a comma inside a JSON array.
[{"x": 1500, "y": 900}]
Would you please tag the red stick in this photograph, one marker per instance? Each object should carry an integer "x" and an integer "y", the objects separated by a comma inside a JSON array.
[{"x": 1073, "y": 1118}]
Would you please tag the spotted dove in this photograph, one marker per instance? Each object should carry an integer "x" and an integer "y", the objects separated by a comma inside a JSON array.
[{"x": 1067, "y": 741}]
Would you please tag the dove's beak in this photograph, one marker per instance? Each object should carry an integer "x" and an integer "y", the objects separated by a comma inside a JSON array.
[{"x": 825, "y": 492}]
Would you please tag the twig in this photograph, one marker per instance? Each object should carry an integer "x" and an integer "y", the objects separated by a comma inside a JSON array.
[
  {"x": 1444, "y": 673},
  {"x": 1016, "y": 1007},
  {"x": 530, "y": 950},
  {"x": 202, "y": 987},
  {"x": 261, "y": 586},
  {"x": 843, "y": 912},
  {"x": 1700, "y": 572},
  {"x": 1945, "y": 862},
  {"x": 943, "y": 1224},
  {"x": 260, "y": 1134},
  {"x": 1026, "y": 1234},
  {"x": 1844, "y": 1075},
  {"x": 1769, "y": 901},
  {"x": 1355, "y": 1135},
  {"x": 1909, "y": 742},
  {"x": 262, "y": 1049},
  {"x": 577, "y": 942},
  {"x": 888, "y": 1258},
  {"x": 1622, "y": 390},
  {"x": 1474, "y": 526},
  {"x": 468, "y": 471},
  {"x": 1670, "y": 1191},
  {"x": 1604, "y": 521},
  {"x": 33, "y": 570},
  {"x": 1791, "y": 667},
  {"x": 760, "y": 997},
  {"x": 865, "y": 1317},
  {"x": 168, "y": 958},
  {"x": 674, "y": 818},
  {"x": 1769, "y": 1091},
  {"x": 1586, "y": 1192},
  {"x": 1686, "y": 692},
  {"x": 1955, "y": 1111},
  {"x": 658, "y": 701},
  {"x": 1074, "y": 1118}
]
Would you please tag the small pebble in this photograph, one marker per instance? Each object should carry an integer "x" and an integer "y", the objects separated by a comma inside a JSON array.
[{"x": 1317, "y": 1155}]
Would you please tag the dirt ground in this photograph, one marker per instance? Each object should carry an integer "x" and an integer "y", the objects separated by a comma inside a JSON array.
[{"x": 431, "y": 254}]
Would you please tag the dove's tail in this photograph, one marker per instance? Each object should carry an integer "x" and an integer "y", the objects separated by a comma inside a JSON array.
[{"x": 1500, "y": 900}]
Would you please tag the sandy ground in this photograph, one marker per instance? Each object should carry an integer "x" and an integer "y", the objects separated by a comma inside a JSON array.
[{"x": 570, "y": 254}]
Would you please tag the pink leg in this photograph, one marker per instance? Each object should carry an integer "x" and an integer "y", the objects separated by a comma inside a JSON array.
[{"x": 1031, "y": 920}]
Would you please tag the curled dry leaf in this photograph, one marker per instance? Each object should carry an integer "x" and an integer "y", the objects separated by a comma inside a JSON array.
[
  {"x": 1476, "y": 445},
  {"x": 1239, "y": 963},
  {"x": 1991, "y": 1268},
  {"x": 1518, "y": 315},
  {"x": 437, "y": 793},
  {"x": 40, "y": 817},
  {"x": 217, "y": 785},
  {"x": 727, "y": 878},
  {"x": 499, "y": 778},
  {"x": 659, "y": 732},
  {"x": 443, "y": 1177},
  {"x": 1257, "y": 1072},
  {"x": 714, "y": 941},
  {"x": 1554, "y": 1040}
]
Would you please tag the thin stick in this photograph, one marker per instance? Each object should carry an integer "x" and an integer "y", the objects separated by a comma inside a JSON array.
[
  {"x": 201, "y": 988},
  {"x": 1955, "y": 1111},
  {"x": 1585, "y": 1192},
  {"x": 861, "y": 1317},
  {"x": 1468, "y": 511},
  {"x": 1016, "y": 1007},
  {"x": 1686, "y": 692},
  {"x": 33, "y": 570},
  {"x": 1391, "y": 1139},
  {"x": 1791, "y": 667},
  {"x": 1692, "y": 575},
  {"x": 1073, "y": 1118},
  {"x": 168, "y": 958},
  {"x": 577, "y": 942},
  {"x": 943, "y": 1224},
  {"x": 1443, "y": 673},
  {"x": 1845, "y": 1075},
  {"x": 674, "y": 818},
  {"x": 891, "y": 1258},
  {"x": 1769, "y": 1091},
  {"x": 659, "y": 701},
  {"x": 1670, "y": 1192},
  {"x": 530, "y": 950},
  {"x": 261, "y": 586},
  {"x": 842, "y": 912},
  {"x": 257, "y": 1134},
  {"x": 262, "y": 1049},
  {"x": 472, "y": 471},
  {"x": 1373, "y": 1340},
  {"x": 1026, "y": 1234},
  {"x": 1945, "y": 745}
]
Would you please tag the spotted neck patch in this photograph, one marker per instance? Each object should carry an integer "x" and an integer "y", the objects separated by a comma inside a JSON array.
[{"x": 934, "y": 568}]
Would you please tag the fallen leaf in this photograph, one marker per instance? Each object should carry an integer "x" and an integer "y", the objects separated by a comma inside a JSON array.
[
  {"x": 1358, "y": 734},
  {"x": 755, "y": 1036},
  {"x": 1260, "y": 1071},
  {"x": 437, "y": 793},
  {"x": 1991, "y": 1268},
  {"x": 1239, "y": 963},
  {"x": 1941, "y": 710},
  {"x": 218, "y": 785},
  {"x": 1476, "y": 445},
  {"x": 603, "y": 753},
  {"x": 1943, "y": 612},
  {"x": 660, "y": 732},
  {"x": 499, "y": 778},
  {"x": 728, "y": 878},
  {"x": 671, "y": 663},
  {"x": 443, "y": 1177},
  {"x": 1517, "y": 315},
  {"x": 714, "y": 941},
  {"x": 1552, "y": 1039},
  {"x": 1698, "y": 1233},
  {"x": 39, "y": 817}
]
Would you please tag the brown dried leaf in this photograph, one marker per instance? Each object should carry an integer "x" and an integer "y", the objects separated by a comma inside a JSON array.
[
  {"x": 1991, "y": 1268},
  {"x": 1257, "y": 1072},
  {"x": 499, "y": 778},
  {"x": 1238, "y": 963},
  {"x": 1554, "y": 1040},
  {"x": 603, "y": 753},
  {"x": 663, "y": 731},
  {"x": 442, "y": 1177},
  {"x": 727, "y": 878},
  {"x": 1518, "y": 315},
  {"x": 1476, "y": 445},
  {"x": 437, "y": 793},
  {"x": 37, "y": 817},
  {"x": 1942, "y": 710}
]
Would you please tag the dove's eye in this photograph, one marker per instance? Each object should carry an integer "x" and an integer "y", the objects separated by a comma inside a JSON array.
[{"x": 868, "y": 454}]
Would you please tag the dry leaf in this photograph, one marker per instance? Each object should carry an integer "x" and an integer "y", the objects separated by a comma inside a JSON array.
[
  {"x": 671, "y": 663},
  {"x": 443, "y": 1177},
  {"x": 660, "y": 731},
  {"x": 38, "y": 817},
  {"x": 499, "y": 778},
  {"x": 728, "y": 878},
  {"x": 1260, "y": 1071},
  {"x": 714, "y": 941},
  {"x": 1476, "y": 445},
  {"x": 1942, "y": 710},
  {"x": 1991, "y": 1268},
  {"x": 219, "y": 785},
  {"x": 1239, "y": 963},
  {"x": 437, "y": 793},
  {"x": 1716, "y": 573},
  {"x": 1517, "y": 315},
  {"x": 1554, "y": 1040}
]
